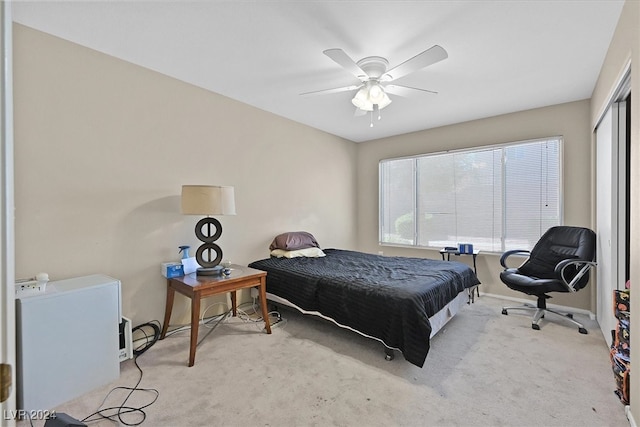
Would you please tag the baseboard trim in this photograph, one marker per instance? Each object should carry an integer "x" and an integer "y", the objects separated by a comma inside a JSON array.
[
  {"x": 627, "y": 411},
  {"x": 574, "y": 310}
]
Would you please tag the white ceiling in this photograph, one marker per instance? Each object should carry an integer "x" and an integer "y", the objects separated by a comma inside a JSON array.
[{"x": 504, "y": 56}]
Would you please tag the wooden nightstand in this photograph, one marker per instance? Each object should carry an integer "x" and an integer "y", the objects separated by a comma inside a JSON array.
[{"x": 198, "y": 287}]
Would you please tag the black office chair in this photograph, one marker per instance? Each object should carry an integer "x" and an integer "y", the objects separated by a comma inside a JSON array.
[{"x": 559, "y": 262}]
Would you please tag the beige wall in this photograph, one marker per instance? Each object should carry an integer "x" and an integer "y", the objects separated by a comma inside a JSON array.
[
  {"x": 102, "y": 148},
  {"x": 570, "y": 120},
  {"x": 625, "y": 49}
]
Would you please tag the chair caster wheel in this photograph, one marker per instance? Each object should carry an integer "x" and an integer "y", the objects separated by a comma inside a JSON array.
[
  {"x": 570, "y": 315},
  {"x": 536, "y": 327},
  {"x": 582, "y": 331},
  {"x": 388, "y": 354},
  {"x": 504, "y": 311}
]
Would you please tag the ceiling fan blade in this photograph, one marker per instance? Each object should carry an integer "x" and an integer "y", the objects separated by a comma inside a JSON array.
[
  {"x": 345, "y": 61},
  {"x": 405, "y": 90},
  {"x": 428, "y": 57},
  {"x": 328, "y": 91}
]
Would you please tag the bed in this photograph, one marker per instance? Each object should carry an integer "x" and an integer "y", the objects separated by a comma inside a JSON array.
[{"x": 394, "y": 300}]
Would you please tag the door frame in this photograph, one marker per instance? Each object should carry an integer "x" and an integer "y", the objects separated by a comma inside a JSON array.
[{"x": 7, "y": 247}]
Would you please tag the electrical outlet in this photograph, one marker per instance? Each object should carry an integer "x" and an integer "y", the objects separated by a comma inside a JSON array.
[{"x": 254, "y": 293}]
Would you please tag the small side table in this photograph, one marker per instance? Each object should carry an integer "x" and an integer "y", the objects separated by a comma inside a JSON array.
[
  {"x": 456, "y": 252},
  {"x": 198, "y": 287}
]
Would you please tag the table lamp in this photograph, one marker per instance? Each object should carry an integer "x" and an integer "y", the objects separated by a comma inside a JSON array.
[{"x": 208, "y": 200}]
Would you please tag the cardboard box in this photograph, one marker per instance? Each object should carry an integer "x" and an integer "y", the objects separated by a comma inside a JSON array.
[{"x": 172, "y": 269}]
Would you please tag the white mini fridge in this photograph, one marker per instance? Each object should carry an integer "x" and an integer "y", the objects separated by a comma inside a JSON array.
[{"x": 67, "y": 340}]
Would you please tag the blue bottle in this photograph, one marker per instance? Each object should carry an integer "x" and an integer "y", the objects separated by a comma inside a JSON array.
[{"x": 185, "y": 251}]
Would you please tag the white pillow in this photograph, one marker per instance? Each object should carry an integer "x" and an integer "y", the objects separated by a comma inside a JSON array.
[{"x": 307, "y": 252}]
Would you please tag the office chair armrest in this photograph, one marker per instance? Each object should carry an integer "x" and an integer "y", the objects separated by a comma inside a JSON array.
[
  {"x": 507, "y": 254},
  {"x": 581, "y": 265}
]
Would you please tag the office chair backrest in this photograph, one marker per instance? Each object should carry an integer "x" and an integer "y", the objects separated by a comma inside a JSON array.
[{"x": 556, "y": 244}]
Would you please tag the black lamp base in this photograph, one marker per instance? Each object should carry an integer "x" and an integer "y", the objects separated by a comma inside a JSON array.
[{"x": 209, "y": 271}]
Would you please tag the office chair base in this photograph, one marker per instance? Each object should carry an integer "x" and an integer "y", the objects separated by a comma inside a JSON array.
[{"x": 539, "y": 314}]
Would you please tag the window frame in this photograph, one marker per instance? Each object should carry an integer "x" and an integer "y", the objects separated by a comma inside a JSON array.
[{"x": 476, "y": 149}]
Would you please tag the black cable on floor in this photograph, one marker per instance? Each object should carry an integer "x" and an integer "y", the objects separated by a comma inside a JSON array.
[
  {"x": 155, "y": 325},
  {"x": 122, "y": 409}
]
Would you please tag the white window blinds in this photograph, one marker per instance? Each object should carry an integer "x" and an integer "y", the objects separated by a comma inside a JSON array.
[{"x": 498, "y": 198}]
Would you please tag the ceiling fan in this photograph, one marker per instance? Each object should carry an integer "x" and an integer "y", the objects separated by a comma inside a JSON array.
[{"x": 375, "y": 79}]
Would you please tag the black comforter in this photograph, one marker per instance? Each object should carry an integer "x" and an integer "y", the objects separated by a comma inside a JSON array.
[{"x": 388, "y": 298}]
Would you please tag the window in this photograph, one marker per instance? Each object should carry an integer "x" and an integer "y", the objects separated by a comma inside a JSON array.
[{"x": 496, "y": 198}]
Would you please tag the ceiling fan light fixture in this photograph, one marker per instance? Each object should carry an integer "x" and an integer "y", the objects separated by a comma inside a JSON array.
[
  {"x": 361, "y": 100},
  {"x": 370, "y": 95}
]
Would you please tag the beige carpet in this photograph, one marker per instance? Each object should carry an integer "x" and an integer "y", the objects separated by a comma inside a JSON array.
[{"x": 484, "y": 369}]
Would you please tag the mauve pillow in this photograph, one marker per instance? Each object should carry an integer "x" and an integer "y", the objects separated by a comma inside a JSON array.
[{"x": 293, "y": 241}]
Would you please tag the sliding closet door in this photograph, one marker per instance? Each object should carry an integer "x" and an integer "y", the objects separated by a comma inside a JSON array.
[
  {"x": 606, "y": 271},
  {"x": 611, "y": 211}
]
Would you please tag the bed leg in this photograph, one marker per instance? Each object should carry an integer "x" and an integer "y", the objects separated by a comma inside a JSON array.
[{"x": 388, "y": 353}]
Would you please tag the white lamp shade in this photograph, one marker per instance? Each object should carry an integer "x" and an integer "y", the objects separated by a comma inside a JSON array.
[
  {"x": 361, "y": 100},
  {"x": 376, "y": 94},
  {"x": 384, "y": 101},
  {"x": 208, "y": 200}
]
